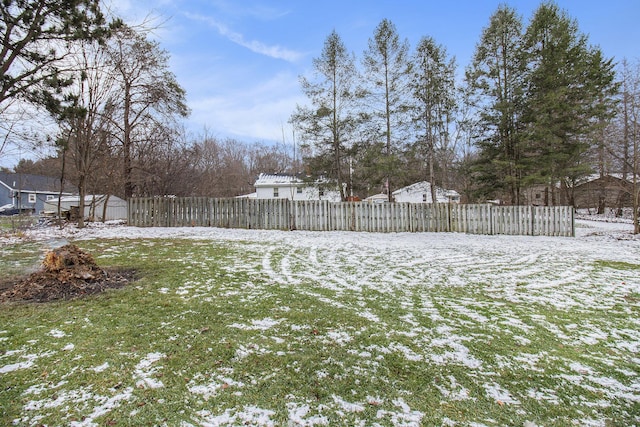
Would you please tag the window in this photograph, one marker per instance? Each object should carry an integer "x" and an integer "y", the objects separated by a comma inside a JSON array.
[
  {"x": 424, "y": 197},
  {"x": 32, "y": 198},
  {"x": 50, "y": 197},
  {"x": 321, "y": 192},
  {"x": 275, "y": 192},
  {"x": 299, "y": 190},
  {"x": 537, "y": 195}
]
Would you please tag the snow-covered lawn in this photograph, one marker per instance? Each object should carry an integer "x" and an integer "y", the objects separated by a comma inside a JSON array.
[{"x": 250, "y": 327}]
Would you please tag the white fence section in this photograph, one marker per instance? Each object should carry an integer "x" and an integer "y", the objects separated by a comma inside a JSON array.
[
  {"x": 283, "y": 214},
  {"x": 94, "y": 206}
]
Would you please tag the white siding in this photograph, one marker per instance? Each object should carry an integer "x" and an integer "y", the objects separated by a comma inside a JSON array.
[
  {"x": 420, "y": 192},
  {"x": 116, "y": 207},
  {"x": 291, "y": 188}
]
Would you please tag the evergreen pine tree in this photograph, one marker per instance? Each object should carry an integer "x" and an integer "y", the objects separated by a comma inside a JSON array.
[{"x": 570, "y": 88}]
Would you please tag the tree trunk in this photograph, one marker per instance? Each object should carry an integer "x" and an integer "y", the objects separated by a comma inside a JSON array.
[
  {"x": 62, "y": 172},
  {"x": 81, "y": 192},
  {"x": 127, "y": 144},
  {"x": 636, "y": 192},
  {"x": 104, "y": 207},
  {"x": 546, "y": 196},
  {"x": 636, "y": 208}
]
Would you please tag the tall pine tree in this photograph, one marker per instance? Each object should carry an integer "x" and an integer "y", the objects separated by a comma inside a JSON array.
[
  {"x": 329, "y": 123},
  {"x": 433, "y": 90},
  {"x": 495, "y": 82},
  {"x": 387, "y": 67},
  {"x": 570, "y": 90}
]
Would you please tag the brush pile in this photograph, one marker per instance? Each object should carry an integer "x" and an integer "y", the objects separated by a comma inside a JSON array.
[{"x": 67, "y": 272}]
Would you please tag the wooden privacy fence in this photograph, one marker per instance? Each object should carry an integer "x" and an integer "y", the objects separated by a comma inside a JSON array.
[{"x": 283, "y": 214}]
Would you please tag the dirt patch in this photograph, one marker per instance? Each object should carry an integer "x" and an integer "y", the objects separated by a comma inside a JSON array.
[{"x": 67, "y": 272}]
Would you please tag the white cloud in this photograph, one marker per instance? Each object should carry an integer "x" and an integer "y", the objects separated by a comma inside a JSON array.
[
  {"x": 257, "y": 113},
  {"x": 277, "y": 52}
]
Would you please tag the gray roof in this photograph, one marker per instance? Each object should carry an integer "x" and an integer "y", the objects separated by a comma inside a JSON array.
[{"x": 31, "y": 183}]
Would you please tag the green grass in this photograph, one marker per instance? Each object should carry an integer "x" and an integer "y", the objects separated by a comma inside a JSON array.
[
  {"x": 18, "y": 259},
  {"x": 618, "y": 265},
  {"x": 248, "y": 332},
  {"x": 15, "y": 223}
]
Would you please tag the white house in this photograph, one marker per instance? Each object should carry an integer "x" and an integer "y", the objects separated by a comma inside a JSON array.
[
  {"x": 377, "y": 198},
  {"x": 420, "y": 192},
  {"x": 253, "y": 195},
  {"x": 94, "y": 206},
  {"x": 276, "y": 186}
]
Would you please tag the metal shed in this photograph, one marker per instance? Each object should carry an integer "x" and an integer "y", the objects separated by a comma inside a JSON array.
[{"x": 94, "y": 206}]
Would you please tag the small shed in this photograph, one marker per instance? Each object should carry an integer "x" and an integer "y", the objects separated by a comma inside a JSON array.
[
  {"x": 377, "y": 198},
  {"x": 97, "y": 207},
  {"x": 420, "y": 192}
]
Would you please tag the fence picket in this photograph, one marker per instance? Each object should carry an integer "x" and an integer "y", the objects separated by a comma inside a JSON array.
[{"x": 316, "y": 215}]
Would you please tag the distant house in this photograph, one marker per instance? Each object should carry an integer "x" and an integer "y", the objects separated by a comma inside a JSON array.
[
  {"x": 377, "y": 198},
  {"x": 97, "y": 207},
  {"x": 25, "y": 192},
  {"x": 253, "y": 195},
  {"x": 420, "y": 192},
  {"x": 606, "y": 191},
  {"x": 277, "y": 186}
]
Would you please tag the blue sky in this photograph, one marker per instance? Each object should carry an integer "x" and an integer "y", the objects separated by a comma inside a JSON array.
[{"x": 240, "y": 60}]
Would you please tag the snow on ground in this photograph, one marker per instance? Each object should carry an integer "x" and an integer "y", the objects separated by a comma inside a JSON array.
[
  {"x": 587, "y": 233},
  {"x": 515, "y": 270}
]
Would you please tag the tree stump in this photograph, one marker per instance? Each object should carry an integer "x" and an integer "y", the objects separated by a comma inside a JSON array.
[{"x": 67, "y": 272}]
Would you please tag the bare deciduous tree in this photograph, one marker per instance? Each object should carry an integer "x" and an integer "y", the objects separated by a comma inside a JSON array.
[
  {"x": 150, "y": 94},
  {"x": 35, "y": 38},
  {"x": 85, "y": 117}
]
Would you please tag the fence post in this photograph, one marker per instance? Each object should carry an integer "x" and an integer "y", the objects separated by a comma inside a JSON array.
[{"x": 490, "y": 218}]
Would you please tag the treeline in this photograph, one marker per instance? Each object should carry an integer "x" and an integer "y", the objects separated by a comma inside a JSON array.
[
  {"x": 183, "y": 166},
  {"x": 535, "y": 108}
]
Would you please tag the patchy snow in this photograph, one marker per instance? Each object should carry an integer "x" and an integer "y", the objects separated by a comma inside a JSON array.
[
  {"x": 258, "y": 325},
  {"x": 212, "y": 388},
  {"x": 402, "y": 417},
  {"x": 105, "y": 406},
  {"x": 57, "y": 333},
  {"x": 83, "y": 397},
  {"x": 15, "y": 366},
  {"x": 500, "y": 395},
  {"x": 248, "y": 415},
  {"x": 28, "y": 363},
  {"x": 101, "y": 368},
  {"x": 299, "y": 415},
  {"x": 345, "y": 406},
  {"x": 339, "y": 337},
  {"x": 145, "y": 371},
  {"x": 568, "y": 274}
]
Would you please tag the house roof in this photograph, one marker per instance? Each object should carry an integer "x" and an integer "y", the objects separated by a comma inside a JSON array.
[
  {"x": 270, "y": 180},
  {"x": 253, "y": 195},
  {"x": 377, "y": 197},
  {"x": 30, "y": 183},
  {"x": 425, "y": 186},
  {"x": 87, "y": 198},
  {"x": 266, "y": 180},
  {"x": 596, "y": 177}
]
